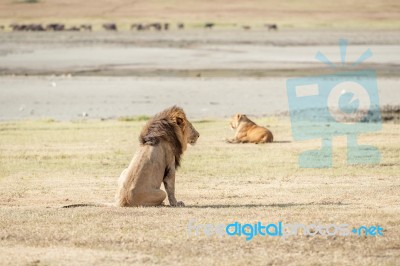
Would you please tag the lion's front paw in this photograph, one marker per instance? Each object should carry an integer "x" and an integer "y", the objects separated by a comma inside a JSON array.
[
  {"x": 180, "y": 204},
  {"x": 176, "y": 204}
]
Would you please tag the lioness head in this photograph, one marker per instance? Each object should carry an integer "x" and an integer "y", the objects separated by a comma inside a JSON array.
[{"x": 237, "y": 119}]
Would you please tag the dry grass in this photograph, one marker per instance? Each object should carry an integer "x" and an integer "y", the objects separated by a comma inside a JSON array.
[
  {"x": 45, "y": 164},
  {"x": 345, "y": 14}
]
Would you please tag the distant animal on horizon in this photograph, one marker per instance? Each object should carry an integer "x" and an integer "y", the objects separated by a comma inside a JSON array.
[
  {"x": 157, "y": 26},
  {"x": 55, "y": 27},
  {"x": 49, "y": 27},
  {"x": 248, "y": 132},
  {"x": 209, "y": 25},
  {"x": 180, "y": 26},
  {"x": 138, "y": 26},
  {"x": 86, "y": 27},
  {"x": 110, "y": 27},
  {"x": 271, "y": 27},
  {"x": 27, "y": 27},
  {"x": 73, "y": 28},
  {"x": 245, "y": 27}
]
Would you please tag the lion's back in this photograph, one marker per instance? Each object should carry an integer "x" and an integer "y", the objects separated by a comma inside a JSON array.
[
  {"x": 259, "y": 134},
  {"x": 146, "y": 169}
]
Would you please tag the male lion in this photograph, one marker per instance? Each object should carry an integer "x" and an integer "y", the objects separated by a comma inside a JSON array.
[
  {"x": 248, "y": 131},
  {"x": 163, "y": 140}
]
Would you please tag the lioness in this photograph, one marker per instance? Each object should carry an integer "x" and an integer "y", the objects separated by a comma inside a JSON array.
[
  {"x": 248, "y": 131},
  {"x": 163, "y": 140}
]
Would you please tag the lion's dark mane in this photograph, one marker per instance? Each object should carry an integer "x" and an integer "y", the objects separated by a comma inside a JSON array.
[{"x": 162, "y": 127}]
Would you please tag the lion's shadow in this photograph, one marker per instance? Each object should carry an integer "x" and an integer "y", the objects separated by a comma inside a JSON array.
[{"x": 279, "y": 205}]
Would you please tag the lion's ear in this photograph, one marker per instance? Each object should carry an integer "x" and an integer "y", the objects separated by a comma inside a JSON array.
[
  {"x": 179, "y": 121},
  {"x": 238, "y": 116}
]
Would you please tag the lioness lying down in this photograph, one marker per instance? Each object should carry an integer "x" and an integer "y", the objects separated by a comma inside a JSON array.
[
  {"x": 163, "y": 140},
  {"x": 248, "y": 131}
]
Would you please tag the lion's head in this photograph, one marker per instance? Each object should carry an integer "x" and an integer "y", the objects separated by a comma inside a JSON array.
[
  {"x": 237, "y": 119},
  {"x": 192, "y": 134},
  {"x": 189, "y": 133},
  {"x": 172, "y": 126}
]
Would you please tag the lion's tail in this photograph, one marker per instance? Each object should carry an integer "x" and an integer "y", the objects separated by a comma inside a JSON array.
[
  {"x": 271, "y": 138},
  {"x": 89, "y": 205},
  {"x": 268, "y": 137}
]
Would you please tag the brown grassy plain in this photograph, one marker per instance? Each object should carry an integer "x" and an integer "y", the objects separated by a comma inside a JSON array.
[{"x": 46, "y": 164}]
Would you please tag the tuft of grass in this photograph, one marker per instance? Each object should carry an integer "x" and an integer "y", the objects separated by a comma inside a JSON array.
[
  {"x": 134, "y": 118},
  {"x": 49, "y": 120},
  {"x": 203, "y": 121}
]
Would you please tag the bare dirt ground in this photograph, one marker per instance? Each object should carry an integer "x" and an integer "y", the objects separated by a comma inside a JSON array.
[
  {"x": 107, "y": 75},
  {"x": 72, "y": 98},
  {"x": 342, "y": 14},
  {"x": 194, "y": 53}
]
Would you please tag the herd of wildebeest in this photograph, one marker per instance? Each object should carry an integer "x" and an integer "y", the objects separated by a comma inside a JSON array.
[{"x": 113, "y": 27}]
